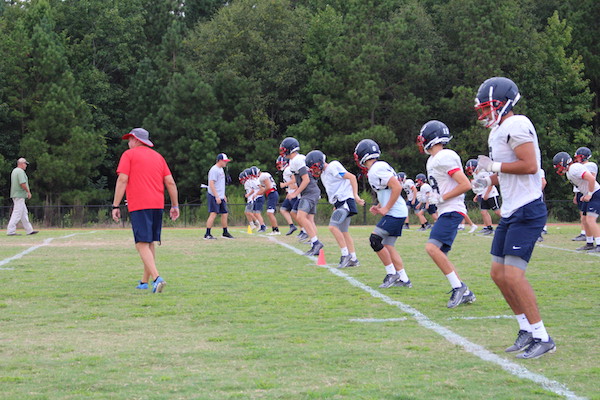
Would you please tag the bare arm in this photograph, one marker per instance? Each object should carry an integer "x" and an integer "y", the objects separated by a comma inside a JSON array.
[
  {"x": 119, "y": 193},
  {"x": 463, "y": 185},
  {"x": 352, "y": 178},
  {"x": 173, "y": 195}
]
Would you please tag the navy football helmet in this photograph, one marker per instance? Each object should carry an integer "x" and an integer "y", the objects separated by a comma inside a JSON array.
[
  {"x": 288, "y": 146},
  {"x": 243, "y": 177},
  {"x": 495, "y": 98},
  {"x": 366, "y": 149},
  {"x": 315, "y": 162},
  {"x": 582, "y": 154},
  {"x": 420, "y": 179},
  {"x": 401, "y": 176},
  {"x": 561, "y": 162},
  {"x": 432, "y": 133},
  {"x": 254, "y": 171},
  {"x": 470, "y": 166},
  {"x": 281, "y": 163}
]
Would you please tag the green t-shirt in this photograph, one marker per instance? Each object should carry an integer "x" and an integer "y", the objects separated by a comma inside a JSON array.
[{"x": 17, "y": 177}]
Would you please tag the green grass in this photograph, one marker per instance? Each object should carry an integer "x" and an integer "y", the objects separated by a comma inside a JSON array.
[{"x": 251, "y": 319}]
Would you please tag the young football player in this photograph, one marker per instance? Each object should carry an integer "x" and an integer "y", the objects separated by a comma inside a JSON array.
[
  {"x": 268, "y": 188},
  {"x": 515, "y": 158},
  {"x": 392, "y": 208},
  {"x": 449, "y": 185},
  {"x": 258, "y": 200},
  {"x": 342, "y": 192},
  {"x": 288, "y": 183},
  {"x": 307, "y": 190},
  {"x": 487, "y": 197},
  {"x": 423, "y": 202},
  {"x": 583, "y": 155},
  {"x": 245, "y": 180},
  {"x": 586, "y": 183},
  {"x": 408, "y": 185}
]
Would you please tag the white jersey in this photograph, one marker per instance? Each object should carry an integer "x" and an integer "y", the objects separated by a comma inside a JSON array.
[
  {"x": 592, "y": 167},
  {"x": 255, "y": 186},
  {"x": 249, "y": 187},
  {"x": 440, "y": 168},
  {"x": 408, "y": 186},
  {"x": 482, "y": 175},
  {"x": 379, "y": 175},
  {"x": 575, "y": 176},
  {"x": 423, "y": 193},
  {"x": 517, "y": 190},
  {"x": 297, "y": 163},
  {"x": 338, "y": 188},
  {"x": 264, "y": 178},
  {"x": 288, "y": 177}
]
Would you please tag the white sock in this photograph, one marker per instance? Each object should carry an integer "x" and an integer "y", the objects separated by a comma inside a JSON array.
[
  {"x": 403, "y": 276},
  {"x": 353, "y": 256},
  {"x": 460, "y": 226},
  {"x": 523, "y": 323},
  {"x": 582, "y": 232},
  {"x": 453, "y": 279},
  {"x": 589, "y": 239},
  {"x": 598, "y": 241},
  {"x": 344, "y": 251},
  {"x": 390, "y": 269},
  {"x": 314, "y": 240},
  {"x": 539, "y": 331}
]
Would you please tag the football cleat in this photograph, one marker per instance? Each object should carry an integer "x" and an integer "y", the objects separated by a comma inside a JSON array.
[
  {"x": 389, "y": 280},
  {"x": 588, "y": 246},
  {"x": 456, "y": 298},
  {"x": 344, "y": 261},
  {"x": 538, "y": 348},
  {"x": 524, "y": 339},
  {"x": 209, "y": 237},
  {"x": 579, "y": 238},
  {"x": 400, "y": 283}
]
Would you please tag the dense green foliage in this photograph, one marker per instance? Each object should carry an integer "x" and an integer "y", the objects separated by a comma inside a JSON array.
[{"x": 205, "y": 76}]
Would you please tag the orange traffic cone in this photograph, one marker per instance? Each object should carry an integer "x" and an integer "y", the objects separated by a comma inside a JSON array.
[
  {"x": 321, "y": 259},
  {"x": 249, "y": 230}
]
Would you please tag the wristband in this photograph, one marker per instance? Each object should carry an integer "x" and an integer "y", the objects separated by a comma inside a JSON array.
[
  {"x": 115, "y": 207},
  {"x": 496, "y": 166},
  {"x": 174, "y": 206}
]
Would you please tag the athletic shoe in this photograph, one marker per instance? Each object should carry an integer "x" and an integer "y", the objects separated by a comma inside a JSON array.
[
  {"x": 262, "y": 230},
  {"x": 303, "y": 238},
  {"x": 13, "y": 234},
  {"x": 389, "y": 280},
  {"x": 402, "y": 283},
  {"x": 274, "y": 233},
  {"x": 33, "y": 232},
  {"x": 208, "y": 236},
  {"x": 344, "y": 261},
  {"x": 142, "y": 285},
  {"x": 544, "y": 231},
  {"x": 579, "y": 238},
  {"x": 524, "y": 339},
  {"x": 314, "y": 250},
  {"x": 158, "y": 285},
  {"x": 456, "y": 298},
  {"x": 588, "y": 246},
  {"x": 227, "y": 235},
  {"x": 538, "y": 348},
  {"x": 473, "y": 228},
  {"x": 594, "y": 250},
  {"x": 461, "y": 227},
  {"x": 468, "y": 298},
  {"x": 486, "y": 231},
  {"x": 292, "y": 230},
  {"x": 428, "y": 226},
  {"x": 540, "y": 239},
  {"x": 422, "y": 229},
  {"x": 406, "y": 226},
  {"x": 354, "y": 263}
]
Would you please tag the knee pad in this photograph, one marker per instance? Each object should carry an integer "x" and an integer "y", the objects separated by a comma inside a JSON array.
[{"x": 376, "y": 242}]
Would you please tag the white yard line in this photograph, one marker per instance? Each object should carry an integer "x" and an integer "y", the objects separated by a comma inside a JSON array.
[
  {"x": 46, "y": 242},
  {"x": 475, "y": 349}
]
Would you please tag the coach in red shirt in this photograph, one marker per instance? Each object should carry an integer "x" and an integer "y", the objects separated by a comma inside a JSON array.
[{"x": 143, "y": 175}]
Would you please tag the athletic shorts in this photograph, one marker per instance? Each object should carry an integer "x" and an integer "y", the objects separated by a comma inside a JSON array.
[
  {"x": 272, "y": 200},
  {"x": 259, "y": 202},
  {"x": 490, "y": 204},
  {"x": 308, "y": 204},
  {"x": 146, "y": 225},
  {"x": 432, "y": 209},
  {"x": 580, "y": 204},
  {"x": 392, "y": 225},
  {"x": 516, "y": 235},
  {"x": 213, "y": 207},
  {"x": 445, "y": 229},
  {"x": 288, "y": 205},
  {"x": 249, "y": 207},
  {"x": 593, "y": 206},
  {"x": 351, "y": 206},
  {"x": 410, "y": 205}
]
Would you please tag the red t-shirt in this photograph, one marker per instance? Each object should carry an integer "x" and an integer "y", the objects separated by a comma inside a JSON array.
[{"x": 146, "y": 170}]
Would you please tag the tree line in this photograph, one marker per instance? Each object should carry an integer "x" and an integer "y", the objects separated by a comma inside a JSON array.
[{"x": 210, "y": 76}]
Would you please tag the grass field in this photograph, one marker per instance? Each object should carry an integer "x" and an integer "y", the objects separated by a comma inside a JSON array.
[{"x": 252, "y": 319}]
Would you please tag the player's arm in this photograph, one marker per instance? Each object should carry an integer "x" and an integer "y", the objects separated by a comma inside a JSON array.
[
  {"x": 299, "y": 189},
  {"x": 173, "y": 195},
  {"x": 396, "y": 189},
  {"x": 354, "y": 184},
  {"x": 591, "y": 180},
  {"x": 119, "y": 194},
  {"x": 463, "y": 185}
]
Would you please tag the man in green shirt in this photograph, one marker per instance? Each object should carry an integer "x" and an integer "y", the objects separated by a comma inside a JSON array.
[{"x": 19, "y": 191}]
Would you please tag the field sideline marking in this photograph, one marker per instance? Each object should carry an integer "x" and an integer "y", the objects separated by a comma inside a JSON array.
[
  {"x": 377, "y": 319},
  {"x": 481, "y": 352},
  {"x": 46, "y": 242}
]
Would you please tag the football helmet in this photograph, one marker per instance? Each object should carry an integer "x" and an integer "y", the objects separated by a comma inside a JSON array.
[
  {"x": 420, "y": 179},
  {"x": 254, "y": 171},
  {"x": 366, "y": 149},
  {"x": 281, "y": 163},
  {"x": 582, "y": 154},
  {"x": 288, "y": 146},
  {"x": 432, "y": 133},
  {"x": 315, "y": 162},
  {"x": 401, "y": 176},
  {"x": 470, "y": 166},
  {"x": 495, "y": 98},
  {"x": 561, "y": 162},
  {"x": 243, "y": 177}
]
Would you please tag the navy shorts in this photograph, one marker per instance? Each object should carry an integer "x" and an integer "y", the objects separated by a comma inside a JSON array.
[
  {"x": 490, "y": 204},
  {"x": 213, "y": 207},
  {"x": 593, "y": 206},
  {"x": 146, "y": 225},
  {"x": 272, "y": 200},
  {"x": 410, "y": 205},
  {"x": 580, "y": 204},
  {"x": 516, "y": 235},
  {"x": 432, "y": 209},
  {"x": 392, "y": 225},
  {"x": 259, "y": 202},
  {"x": 351, "y": 203},
  {"x": 445, "y": 229},
  {"x": 288, "y": 205}
]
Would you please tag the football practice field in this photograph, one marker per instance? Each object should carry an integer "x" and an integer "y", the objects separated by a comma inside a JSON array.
[{"x": 252, "y": 318}]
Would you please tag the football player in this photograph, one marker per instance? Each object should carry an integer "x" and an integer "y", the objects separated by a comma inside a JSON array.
[
  {"x": 408, "y": 185},
  {"x": 449, "y": 185},
  {"x": 268, "y": 188},
  {"x": 392, "y": 208},
  {"x": 586, "y": 183},
  {"x": 423, "y": 202},
  {"x": 487, "y": 197},
  {"x": 288, "y": 183},
  {"x": 307, "y": 189},
  {"x": 583, "y": 155},
  {"x": 515, "y": 160},
  {"x": 342, "y": 192},
  {"x": 245, "y": 179}
]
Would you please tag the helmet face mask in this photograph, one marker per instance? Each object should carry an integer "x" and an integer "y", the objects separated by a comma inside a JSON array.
[
  {"x": 281, "y": 163},
  {"x": 470, "y": 167},
  {"x": 315, "y": 161},
  {"x": 495, "y": 98},
  {"x": 561, "y": 162},
  {"x": 288, "y": 146},
  {"x": 365, "y": 150},
  {"x": 582, "y": 154}
]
